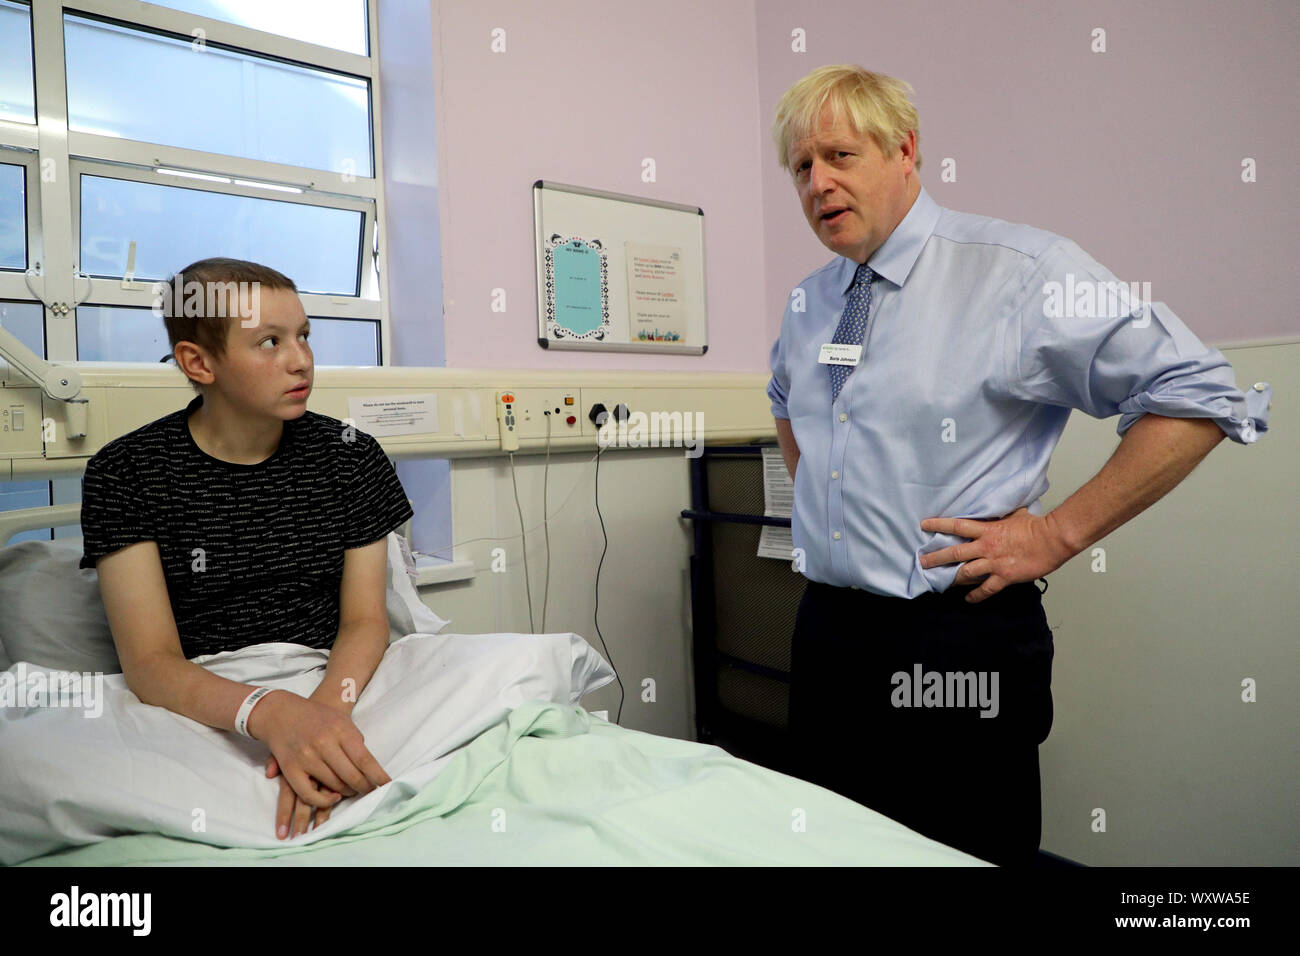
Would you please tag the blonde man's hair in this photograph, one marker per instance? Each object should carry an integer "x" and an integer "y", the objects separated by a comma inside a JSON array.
[{"x": 873, "y": 103}]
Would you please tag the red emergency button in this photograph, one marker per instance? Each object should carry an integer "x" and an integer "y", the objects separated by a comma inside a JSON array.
[{"x": 571, "y": 419}]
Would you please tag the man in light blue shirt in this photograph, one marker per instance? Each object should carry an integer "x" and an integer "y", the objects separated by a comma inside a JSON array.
[{"x": 921, "y": 380}]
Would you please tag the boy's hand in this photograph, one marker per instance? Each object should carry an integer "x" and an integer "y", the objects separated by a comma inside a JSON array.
[
  {"x": 273, "y": 766},
  {"x": 320, "y": 753},
  {"x": 293, "y": 816}
]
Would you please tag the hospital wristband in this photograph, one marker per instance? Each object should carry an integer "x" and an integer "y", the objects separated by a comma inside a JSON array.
[{"x": 246, "y": 708}]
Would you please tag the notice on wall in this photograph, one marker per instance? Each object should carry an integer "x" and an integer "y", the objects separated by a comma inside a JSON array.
[
  {"x": 778, "y": 502},
  {"x": 579, "y": 301},
  {"x": 655, "y": 293},
  {"x": 387, "y": 415}
]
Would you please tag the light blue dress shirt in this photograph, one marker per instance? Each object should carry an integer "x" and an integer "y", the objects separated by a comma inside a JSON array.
[{"x": 971, "y": 363}]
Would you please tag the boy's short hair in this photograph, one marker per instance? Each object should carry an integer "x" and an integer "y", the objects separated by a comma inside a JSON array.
[{"x": 198, "y": 302}]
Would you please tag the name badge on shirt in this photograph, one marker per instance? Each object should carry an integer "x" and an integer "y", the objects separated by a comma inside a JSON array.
[{"x": 833, "y": 354}]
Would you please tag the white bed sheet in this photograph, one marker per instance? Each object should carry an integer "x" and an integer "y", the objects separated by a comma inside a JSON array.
[{"x": 68, "y": 779}]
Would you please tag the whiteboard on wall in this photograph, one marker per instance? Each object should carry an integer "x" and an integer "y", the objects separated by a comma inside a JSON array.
[{"x": 617, "y": 272}]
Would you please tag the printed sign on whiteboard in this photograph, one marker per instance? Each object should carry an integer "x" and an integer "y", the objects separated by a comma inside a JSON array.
[
  {"x": 655, "y": 293},
  {"x": 387, "y": 415}
]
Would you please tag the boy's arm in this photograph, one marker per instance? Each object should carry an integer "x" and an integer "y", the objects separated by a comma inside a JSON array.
[
  {"x": 358, "y": 648},
  {"x": 149, "y": 646},
  {"x": 363, "y": 627},
  {"x": 313, "y": 741}
]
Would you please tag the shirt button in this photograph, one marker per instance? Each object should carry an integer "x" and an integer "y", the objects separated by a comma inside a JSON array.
[
  {"x": 836, "y": 536},
  {"x": 835, "y": 474},
  {"x": 844, "y": 417}
]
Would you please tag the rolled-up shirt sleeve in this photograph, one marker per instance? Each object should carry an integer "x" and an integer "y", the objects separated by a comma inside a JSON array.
[
  {"x": 1080, "y": 338},
  {"x": 778, "y": 387}
]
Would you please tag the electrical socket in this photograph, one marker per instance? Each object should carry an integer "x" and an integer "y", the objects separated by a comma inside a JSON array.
[{"x": 593, "y": 397}]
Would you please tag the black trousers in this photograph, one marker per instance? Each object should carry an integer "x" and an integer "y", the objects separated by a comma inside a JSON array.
[{"x": 863, "y": 669}]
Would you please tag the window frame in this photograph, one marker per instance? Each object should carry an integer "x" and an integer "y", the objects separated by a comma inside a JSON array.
[
  {"x": 13, "y": 285},
  {"x": 112, "y": 291},
  {"x": 13, "y": 123},
  {"x": 357, "y": 67},
  {"x": 54, "y": 206}
]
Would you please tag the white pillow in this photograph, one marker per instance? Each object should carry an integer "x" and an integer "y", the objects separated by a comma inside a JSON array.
[
  {"x": 407, "y": 614},
  {"x": 54, "y": 615}
]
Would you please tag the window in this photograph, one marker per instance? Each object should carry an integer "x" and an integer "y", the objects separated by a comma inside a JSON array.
[
  {"x": 114, "y": 333},
  {"x": 195, "y": 128},
  {"x": 241, "y": 129},
  {"x": 180, "y": 92},
  {"x": 17, "y": 92},
  {"x": 26, "y": 320},
  {"x": 13, "y": 217},
  {"x": 320, "y": 247},
  {"x": 340, "y": 24}
]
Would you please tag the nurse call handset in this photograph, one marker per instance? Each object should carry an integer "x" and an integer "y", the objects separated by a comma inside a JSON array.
[{"x": 507, "y": 420}]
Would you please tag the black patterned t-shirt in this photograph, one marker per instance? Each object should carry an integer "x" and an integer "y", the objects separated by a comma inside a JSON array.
[{"x": 251, "y": 553}]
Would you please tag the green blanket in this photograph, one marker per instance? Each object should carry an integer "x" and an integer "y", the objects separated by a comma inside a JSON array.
[{"x": 552, "y": 785}]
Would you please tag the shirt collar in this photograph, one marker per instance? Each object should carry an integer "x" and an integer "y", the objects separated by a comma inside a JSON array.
[{"x": 896, "y": 256}]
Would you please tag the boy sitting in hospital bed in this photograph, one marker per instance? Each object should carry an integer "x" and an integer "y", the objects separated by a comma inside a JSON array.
[{"x": 245, "y": 519}]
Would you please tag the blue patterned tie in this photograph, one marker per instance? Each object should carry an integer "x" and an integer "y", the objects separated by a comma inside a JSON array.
[{"x": 853, "y": 323}]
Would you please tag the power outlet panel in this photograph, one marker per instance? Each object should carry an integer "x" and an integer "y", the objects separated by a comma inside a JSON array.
[
  {"x": 611, "y": 399},
  {"x": 531, "y": 405}
]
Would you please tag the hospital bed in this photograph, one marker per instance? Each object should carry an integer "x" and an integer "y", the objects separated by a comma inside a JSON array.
[{"x": 493, "y": 758}]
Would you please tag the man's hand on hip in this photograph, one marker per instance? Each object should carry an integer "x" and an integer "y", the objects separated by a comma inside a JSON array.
[{"x": 1004, "y": 551}]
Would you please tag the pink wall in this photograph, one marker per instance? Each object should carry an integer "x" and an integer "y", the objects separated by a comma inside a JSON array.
[
  {"x": 672, "y": 80},
  {"x": 1135, "y": 153}
]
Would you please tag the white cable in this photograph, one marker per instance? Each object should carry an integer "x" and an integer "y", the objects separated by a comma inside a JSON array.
[
  {"x": 528, "y": 588},
  {"x": 546, "y": 522},
  {"x": 39, "y": 273},
  {"x": 510, "y": 537}
]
